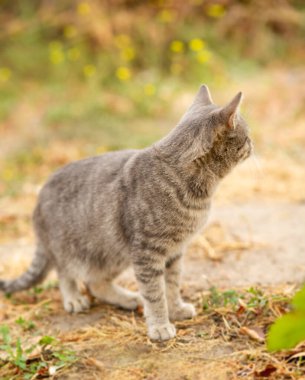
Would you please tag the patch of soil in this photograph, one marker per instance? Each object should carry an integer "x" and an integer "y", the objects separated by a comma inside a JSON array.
[
  {"x": 244, "y": 245},
  {"x": 273, "y": 237}
]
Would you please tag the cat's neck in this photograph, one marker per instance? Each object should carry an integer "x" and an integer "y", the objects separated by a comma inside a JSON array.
[
  {"x": 199, "y": 178},
  {"x": 179, "y": 147},
  {"x": 202, "y": 179}
]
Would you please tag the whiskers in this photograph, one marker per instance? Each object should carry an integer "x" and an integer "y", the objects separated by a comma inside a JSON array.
[
  {"x": 254, "y": 164},
  {"x": 255, "y": 160}
]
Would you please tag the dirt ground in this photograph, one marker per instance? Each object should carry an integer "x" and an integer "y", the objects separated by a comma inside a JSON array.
[
  {"x": 252, "y": 252},
  {"x": 246, "y": 244},
  {"x": 251, "y": 241}
]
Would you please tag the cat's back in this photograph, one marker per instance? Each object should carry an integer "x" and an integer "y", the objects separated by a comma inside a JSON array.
[{"x": 84, "y": 178}]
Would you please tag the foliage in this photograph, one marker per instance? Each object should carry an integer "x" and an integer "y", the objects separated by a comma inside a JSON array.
[
  {"x": 116, "y": 346},
  {"x": 26, "y": 325},
  {"x": 253, "y": 298},
  {"x": 40, "y": 359},
  {"x": 99, "y": 45},
  {"x": 85, "y": 71},
  {"x": 289, "y": 330},
  {"x": 216, "y": 298}
]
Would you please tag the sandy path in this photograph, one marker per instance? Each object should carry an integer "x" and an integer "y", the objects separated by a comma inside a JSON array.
[{"x": 276, "y": 235}]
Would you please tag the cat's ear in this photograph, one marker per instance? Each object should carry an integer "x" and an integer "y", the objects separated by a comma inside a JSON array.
[
  {"x": 230, "y": 111},
  {"x": 203, "y": 96}
]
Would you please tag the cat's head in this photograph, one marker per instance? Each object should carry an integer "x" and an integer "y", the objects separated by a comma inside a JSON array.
[{"x": 214, "y": 133}]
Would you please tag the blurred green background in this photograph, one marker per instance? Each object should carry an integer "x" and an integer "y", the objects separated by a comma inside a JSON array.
[{"x": 79, "y": 78}]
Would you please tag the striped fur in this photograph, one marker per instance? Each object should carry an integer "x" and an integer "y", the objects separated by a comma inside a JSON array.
[
  {"x": 97, "y": 216},
  {"x": 35, "y": 274}
]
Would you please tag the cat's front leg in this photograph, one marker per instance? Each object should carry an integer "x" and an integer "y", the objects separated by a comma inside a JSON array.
[
  {"x": 178, "y": 310},
  {"x": 149, "y": 272}
]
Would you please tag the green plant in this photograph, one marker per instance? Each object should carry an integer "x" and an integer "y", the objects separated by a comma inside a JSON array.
[
  {"x": 26, "y": 325},
  {"x": 51, "y": 354},
  {"x": 257, "y": 298},
  {"x": 16, "y": 355},
  {"x": 217, "y": 298},
  {"x": 38, "y": 289},
  {"x": 253, "y": 299},
  {"x": 289, "y": 329}
]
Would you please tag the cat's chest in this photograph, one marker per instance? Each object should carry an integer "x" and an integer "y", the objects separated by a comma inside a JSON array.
[
  {"x": 198, "y": 221},
  {"x": 192, "y": 224}
]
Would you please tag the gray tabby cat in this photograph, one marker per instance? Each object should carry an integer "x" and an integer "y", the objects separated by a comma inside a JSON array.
[{"x": 97, "y": 216}]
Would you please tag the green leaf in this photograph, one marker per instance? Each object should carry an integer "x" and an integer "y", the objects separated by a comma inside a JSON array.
[
  {"x": 5, "y": 332},
  {"x": 19, "y": 350},
  {"x": 45, "y": 340},
  {"x": 298, "y": 300},
  {"x": 38, "y": 289},
  {"x": 287, "y": 331},
  {"x": 20, "y": 321}
]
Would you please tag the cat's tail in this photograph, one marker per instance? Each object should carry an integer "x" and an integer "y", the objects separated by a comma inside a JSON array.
[{"x": 36, "y": 273}]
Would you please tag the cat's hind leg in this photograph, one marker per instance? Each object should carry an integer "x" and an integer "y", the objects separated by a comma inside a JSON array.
[
  {"x": 73, "y": 300},
  {"x": 106, "y": 291}
]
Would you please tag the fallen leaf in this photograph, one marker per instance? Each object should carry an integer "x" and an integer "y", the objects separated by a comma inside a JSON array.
[
  {"x": 297, "y": 356},
  {"x": 242, "y": 307},
  {"x": 36, "y": 354},
  {"x": 140, "y": 310},
  {"x": 43, "y": 372},
  {"x": 242, "y": 303},
  {"x": 266, "y": 372},
  {"x": 96, "y": 363},
  {"x": 255, "y": 333}
]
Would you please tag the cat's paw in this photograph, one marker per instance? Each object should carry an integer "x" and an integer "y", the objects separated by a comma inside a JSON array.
[
  {"x": 116, "y": 295},
  {"x": 161, "y": 332},
  {"x": 184, "y": 311},
  {"x": 77, "y": 304},
  {"x": 130, "y": 301}
]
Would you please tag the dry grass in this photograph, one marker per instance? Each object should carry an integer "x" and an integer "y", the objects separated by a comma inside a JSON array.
[{"x": 225, "y": 341}]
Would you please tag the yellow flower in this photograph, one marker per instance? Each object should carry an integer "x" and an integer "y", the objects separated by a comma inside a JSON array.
[
  {"x": 56, "y": 53},
  {"x": 128, "y": 54},
  {"x": 123, "y": 73},
  {"x": 56, "y": 56},
  {"x": 70, "y": 31},
  {"x": 177, "y": 46},
  {"x": 166, "y": 16},
  {"x": 196, "y": 44},
  {"x": 89, "y": 70},
  {"x": 5, "y": 74},
  {"x": 149, "y": 89},
  {"x": 83, "y": 8},
  {"x": 215, "y": 10},
  {"x": 73, "y": 54},
  {"x": 8, "y": 173},
  {"x": 204, "y": 56}
]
